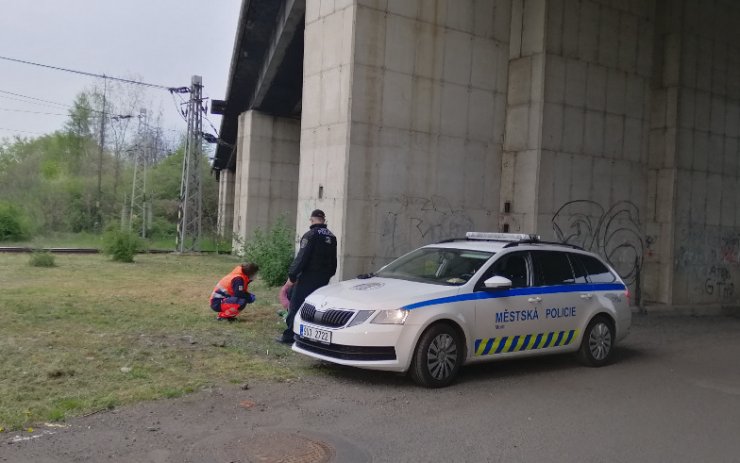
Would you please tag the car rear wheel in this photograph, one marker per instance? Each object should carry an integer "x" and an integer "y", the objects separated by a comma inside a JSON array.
[
  {"x": 437, "y": 357},
  {"x": 597, "y": 343}
]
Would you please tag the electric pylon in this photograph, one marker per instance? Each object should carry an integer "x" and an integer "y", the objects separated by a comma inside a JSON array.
[
  {"x": 139, "y": 204},
  {"x": 189, "y": 214}
]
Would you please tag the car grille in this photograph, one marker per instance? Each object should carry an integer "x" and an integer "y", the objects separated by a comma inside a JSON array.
[
  {"x": 333, "y": 318},
  {"x": 338, "y": 351}
]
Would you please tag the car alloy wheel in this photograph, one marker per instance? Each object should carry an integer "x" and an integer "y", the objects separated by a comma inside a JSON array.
[
  {"x": 437, "y": 357},
  {"x": 600, "y": 341},
  {"x": 442, "y": 356}
]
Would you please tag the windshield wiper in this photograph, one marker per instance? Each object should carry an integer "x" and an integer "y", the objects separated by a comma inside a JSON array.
[{"x": 365, "y": 276}]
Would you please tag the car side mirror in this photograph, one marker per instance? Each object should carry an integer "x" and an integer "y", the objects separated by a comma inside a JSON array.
[{"x": 497, "y": 282}]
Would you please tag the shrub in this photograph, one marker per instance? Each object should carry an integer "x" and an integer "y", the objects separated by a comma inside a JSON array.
[
  {"x": 272, "y": 251},
  {"x": 161, "y": 228},
  {"x": 42, "y": 259},
  {"x": 13, "y": 223},
  {"x": 121, "y": 245}
]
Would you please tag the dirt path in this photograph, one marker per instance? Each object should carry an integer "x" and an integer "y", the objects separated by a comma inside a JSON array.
[{"x": 671, "y": 373}]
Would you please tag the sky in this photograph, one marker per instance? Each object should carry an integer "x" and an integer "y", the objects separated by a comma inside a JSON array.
[{"x": 163, "y": 42}]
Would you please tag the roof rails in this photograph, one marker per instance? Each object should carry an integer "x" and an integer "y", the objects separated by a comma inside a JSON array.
[
  {"x": 486, "y": 236},
  {"x": 554, "y": 243},
  {"x": 513, "y": 239}
]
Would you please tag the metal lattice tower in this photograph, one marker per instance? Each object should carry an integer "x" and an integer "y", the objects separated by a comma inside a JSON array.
[
  {"x": 189, "y": 214},
  {"x": 139, "y": 203}
]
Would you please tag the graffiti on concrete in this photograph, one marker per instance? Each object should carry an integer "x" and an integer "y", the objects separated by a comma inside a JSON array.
[
  {"x": 730, "y": 249},
  {"x": 708, "y": 257},
  {"x": 719, "y": 282},
  {"x": 414, "y": 220},
  {"x": 614, "y": 234},
  {"x": 707, "y": 246}
]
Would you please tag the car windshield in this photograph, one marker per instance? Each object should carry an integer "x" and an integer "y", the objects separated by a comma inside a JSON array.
[{"x": 442, "y": 266}]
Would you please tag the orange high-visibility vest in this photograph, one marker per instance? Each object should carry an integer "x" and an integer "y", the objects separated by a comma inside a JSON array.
[{"x": 223, "y": 287}]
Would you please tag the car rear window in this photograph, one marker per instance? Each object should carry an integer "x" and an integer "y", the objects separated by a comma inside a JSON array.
[
  {"x": 579, "y": 271},
  {"x": 552, "y": 268},
  {"x": 597, "y": 272}
]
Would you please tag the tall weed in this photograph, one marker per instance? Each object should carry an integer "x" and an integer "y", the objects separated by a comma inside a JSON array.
[
  {"x": 121, "y": 245},
  {"x": 42, "y": 259},
  {"x": 273, "y": 251}
]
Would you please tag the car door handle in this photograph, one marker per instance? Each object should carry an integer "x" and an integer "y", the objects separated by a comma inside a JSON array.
[
  {"x": 535, "y": 299},
  {"x": 586, "y": 296}
]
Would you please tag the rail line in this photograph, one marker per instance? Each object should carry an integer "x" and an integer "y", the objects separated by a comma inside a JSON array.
[{"x": 27, "y": 249}]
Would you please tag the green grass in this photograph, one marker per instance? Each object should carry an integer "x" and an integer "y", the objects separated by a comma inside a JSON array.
[
  {"x": 93, "y": 334},
  {"x": 92, "y": 240}
]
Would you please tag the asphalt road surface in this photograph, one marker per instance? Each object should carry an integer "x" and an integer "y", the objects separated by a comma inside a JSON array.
[{"x": 672, "y": 394}]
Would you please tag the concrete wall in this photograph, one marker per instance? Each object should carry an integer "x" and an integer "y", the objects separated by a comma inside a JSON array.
[
  {"x": 707, "y": 167},
  {"x": 225, "y": 223},
  {"x": 267, "y": 173},
  {"x": 325, "y": 114},
  {"x": 428, "y": 101},
  {"x": 610, "y": 124},
  {"x": 595, "y": 121}
]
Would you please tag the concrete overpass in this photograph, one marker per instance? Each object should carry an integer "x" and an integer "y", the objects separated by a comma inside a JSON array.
[{"x": 611, "y": 124}]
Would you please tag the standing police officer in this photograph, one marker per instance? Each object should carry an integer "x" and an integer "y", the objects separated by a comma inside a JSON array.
[{"x": 313, "y": 266}]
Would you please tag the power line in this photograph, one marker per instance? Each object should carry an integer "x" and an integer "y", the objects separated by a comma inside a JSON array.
[
  {"x": 112, "y": 116},
  {"x": 22, "y": 131},
  {"x": 32, "y": 112},
  {"x": 92, "y": 74},
  {"x": 32, "y": 98},
  {"x": 21, "y": 100}
]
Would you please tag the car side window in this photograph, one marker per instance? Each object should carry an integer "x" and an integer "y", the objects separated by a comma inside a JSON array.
[
  {"x": 552, "y": 268},
  {"x": 579, "y": 271},
  {"x": 513, "y": 266},
  {"x": 597, "y": 272}
]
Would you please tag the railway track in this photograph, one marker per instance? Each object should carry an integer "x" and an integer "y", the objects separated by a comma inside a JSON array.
[{"x": 22, "y": 249}]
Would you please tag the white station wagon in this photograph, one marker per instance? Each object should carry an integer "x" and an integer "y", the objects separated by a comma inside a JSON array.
[{"x": 488, "y": 296}]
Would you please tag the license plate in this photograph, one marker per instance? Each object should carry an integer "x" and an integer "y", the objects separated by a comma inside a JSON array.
[{"x": 315, "y": 334}]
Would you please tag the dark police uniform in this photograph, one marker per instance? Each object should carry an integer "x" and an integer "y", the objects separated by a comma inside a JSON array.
[{"x": 311, "y": 269}]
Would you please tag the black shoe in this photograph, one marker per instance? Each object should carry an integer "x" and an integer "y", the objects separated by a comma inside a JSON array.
[
  {"x": 230, "y": 320},
  {"x": 284, "y": 340}
]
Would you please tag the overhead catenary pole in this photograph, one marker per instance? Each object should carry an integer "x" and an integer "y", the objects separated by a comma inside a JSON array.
[
  {"x": 98, "y": 199},
  {"x": 189, "y": 214},
  {"x": 138, "y": 192}
]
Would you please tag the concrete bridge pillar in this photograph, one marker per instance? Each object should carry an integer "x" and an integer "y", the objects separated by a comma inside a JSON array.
[
  {"x": 266, "y": 184},
  {"x": 225, "y": 203}
]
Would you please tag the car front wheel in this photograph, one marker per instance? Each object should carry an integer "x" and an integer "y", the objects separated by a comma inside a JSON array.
[
  {"x": 437, "y": 357},
  {"x": 598, "y": 342}
]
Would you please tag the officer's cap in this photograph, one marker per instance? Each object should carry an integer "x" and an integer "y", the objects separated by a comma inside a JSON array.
[{"x": 318, "y": 213}]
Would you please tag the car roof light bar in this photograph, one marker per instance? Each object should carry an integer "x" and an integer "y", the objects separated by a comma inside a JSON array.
[{"x": 485, "y": 236}]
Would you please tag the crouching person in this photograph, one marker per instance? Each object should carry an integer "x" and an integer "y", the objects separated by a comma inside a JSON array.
[{"x": 231, "y": 294}]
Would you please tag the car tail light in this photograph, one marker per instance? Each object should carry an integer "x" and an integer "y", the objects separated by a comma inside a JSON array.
[{"x": 627, "y": 294}]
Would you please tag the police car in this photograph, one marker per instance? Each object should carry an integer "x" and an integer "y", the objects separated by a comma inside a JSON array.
[{"x": 489, "y": 296}]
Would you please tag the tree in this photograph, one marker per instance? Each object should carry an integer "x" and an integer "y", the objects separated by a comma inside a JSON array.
[
  {"x": 81, "y": 120},
  {"x": 58, "y": 179}
]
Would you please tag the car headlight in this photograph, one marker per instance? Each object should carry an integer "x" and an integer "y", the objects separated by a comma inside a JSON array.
[
  {"x": 391, "y": 317},
  {"x": 360, "y": 317}
]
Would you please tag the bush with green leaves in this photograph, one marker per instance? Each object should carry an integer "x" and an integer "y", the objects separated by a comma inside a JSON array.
[
  {"x": 161, "y": 228},
  {"x": 13, "y": 223},
  {"x": 273, "y": 251},
  {"x": 121, "y": 245},
  {"x": 42, "y": 259}
]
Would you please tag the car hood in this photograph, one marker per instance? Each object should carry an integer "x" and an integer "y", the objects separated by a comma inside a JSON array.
[{"x": 377, "y": 293}]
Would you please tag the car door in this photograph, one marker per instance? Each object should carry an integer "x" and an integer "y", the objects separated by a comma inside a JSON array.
[
  {"x": 504, "y": 317},
  {"x": 601, "y": 284},
  {"x": 563, "y": 306}
]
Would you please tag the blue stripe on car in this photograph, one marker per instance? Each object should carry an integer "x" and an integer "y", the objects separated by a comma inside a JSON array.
[{"x": 517, "y": 292}]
